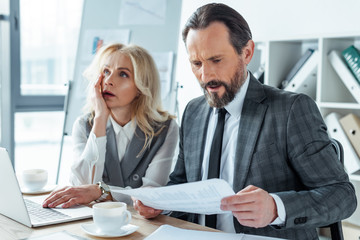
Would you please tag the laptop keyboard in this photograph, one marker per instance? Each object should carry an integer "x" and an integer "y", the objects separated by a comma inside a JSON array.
[{"x": 39, "y": 214}]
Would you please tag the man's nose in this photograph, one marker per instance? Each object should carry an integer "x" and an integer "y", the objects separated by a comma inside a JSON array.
[{"x": 207, "y": 74}]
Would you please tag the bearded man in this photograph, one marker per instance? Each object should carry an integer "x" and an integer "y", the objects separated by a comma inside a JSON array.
[{"x": 271, "y": 146}]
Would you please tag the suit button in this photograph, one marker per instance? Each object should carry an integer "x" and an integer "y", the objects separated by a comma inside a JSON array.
[
  {"x": 136, "y": 177},
  {"x": 300, "y": 220}
]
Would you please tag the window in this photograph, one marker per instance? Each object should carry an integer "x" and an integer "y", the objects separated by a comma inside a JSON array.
[
  {"x": 1, "y": 76},
  {"x": 5, "y": 116},
  {"x": 37, "y": 141},
  {"x": 49, "y": 32}
]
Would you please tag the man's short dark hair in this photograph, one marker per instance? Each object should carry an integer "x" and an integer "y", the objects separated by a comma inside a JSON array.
[{"x": 239, "y": 30}]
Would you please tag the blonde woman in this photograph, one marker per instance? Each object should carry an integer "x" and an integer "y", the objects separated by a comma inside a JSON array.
[{"x": 125, "y": 139}]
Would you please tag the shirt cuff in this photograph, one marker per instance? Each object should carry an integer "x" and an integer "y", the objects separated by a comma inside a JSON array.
[
  {"x": 100, "y": 141},
  {"x": 166, "y": 212},
  {"x": 99, "y": 147},
  {"x": 280, "y": 220}
]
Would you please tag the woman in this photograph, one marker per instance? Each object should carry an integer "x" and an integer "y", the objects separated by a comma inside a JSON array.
[{"x": 124, "y": 139}]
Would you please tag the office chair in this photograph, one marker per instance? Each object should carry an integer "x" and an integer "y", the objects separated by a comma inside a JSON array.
[{"x": 336, "y": 228}]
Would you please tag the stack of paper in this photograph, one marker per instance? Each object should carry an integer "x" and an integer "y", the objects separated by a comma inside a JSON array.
[{"x": 203, "y": 197}]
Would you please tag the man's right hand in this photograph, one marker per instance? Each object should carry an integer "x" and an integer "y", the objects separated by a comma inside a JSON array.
[{"x": 145, "y": 211}]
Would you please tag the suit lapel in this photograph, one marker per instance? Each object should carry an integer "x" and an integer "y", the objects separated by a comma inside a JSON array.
[
  {"x": 252, "y": 117},
  {"x": 198, "y": 139},
  {"x": 112, "y": 164},
  {"x": 132, "y": 157}
]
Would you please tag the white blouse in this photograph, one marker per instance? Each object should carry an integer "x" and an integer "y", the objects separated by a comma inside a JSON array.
[{"x": 90, "y": 153}]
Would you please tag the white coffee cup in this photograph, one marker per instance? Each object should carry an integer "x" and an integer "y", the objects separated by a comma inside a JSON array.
[
  {"x": 109, "y": 217},
  {"x": 34, "y": 179}
]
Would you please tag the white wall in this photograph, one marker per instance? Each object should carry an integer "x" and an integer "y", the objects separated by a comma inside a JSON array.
[{"x": 273, "y": 19}]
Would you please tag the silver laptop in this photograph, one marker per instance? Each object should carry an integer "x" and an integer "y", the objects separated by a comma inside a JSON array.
[{"x": 28, "y": 210}]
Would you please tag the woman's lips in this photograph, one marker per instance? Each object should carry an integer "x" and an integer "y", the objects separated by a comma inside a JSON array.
[{"x": 107, "y": 94}]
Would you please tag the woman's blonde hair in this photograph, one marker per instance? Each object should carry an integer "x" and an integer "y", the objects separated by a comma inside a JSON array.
[{"x": 147, "y": 108}]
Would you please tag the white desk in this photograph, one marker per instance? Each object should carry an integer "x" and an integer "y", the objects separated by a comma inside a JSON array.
[{"x": 10, "y": 229}]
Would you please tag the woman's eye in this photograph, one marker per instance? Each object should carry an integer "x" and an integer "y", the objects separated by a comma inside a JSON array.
[
  {"x": 123, "y": 74},
  {"x": 106, "y": 72}
]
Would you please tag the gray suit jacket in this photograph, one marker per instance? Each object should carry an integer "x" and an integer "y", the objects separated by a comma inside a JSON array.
[{"x": 283, "y": 147}]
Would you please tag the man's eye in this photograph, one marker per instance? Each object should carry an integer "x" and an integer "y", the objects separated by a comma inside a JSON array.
[
  {"x": 123, "y": 74},
  {"x": 197, "y": 64},
  {"x": 216, "y": 60}
]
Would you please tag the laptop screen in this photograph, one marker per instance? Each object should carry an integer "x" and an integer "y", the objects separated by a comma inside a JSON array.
[{"x": 11, "y": 202}]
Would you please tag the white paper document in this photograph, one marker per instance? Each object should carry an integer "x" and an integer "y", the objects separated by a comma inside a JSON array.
[
  {"x": 94, "y": 39},
  {"x": 142, "y": 12},
  {"x": 166, "y": 232},
  {"x": 203, "y": 197},
  {"x": 164, "y": 63},
  {"x": 64, "y": 235}
]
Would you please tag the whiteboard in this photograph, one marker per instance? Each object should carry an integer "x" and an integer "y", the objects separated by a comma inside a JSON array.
[{"x": 156, "y": 29}]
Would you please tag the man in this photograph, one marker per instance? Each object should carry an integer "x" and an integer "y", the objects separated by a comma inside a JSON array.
[{"x": 275, "y": 151}]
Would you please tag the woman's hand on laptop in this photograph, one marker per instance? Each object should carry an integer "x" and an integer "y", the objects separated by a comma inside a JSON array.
[{"x": 70, "y": 196}]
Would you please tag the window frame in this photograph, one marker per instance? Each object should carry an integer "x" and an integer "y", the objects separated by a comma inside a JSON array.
[{"x": 18, "y": 102}]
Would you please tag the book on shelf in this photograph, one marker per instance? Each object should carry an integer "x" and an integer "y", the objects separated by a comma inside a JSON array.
[
  {"x": 351, "y": 126},
  {"x": 352, "y": 58},
  {"x": 351, "y": 159},
  {"x": 296, "y": 68},
  {"x": 304, "y": 81},
  {"x": 345, "y": 74}
]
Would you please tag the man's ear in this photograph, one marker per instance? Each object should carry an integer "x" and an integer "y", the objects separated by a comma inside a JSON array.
[{"x": 248, "y": 51}]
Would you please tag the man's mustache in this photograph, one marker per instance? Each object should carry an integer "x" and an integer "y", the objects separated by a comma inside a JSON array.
[{"x": 213, "y": 83}]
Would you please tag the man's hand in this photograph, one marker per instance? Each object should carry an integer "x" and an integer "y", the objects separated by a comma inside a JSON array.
[
  {"x": 70, "y": 196},
  {"x": 145, "y": 211},
  {"x": 252, "y": 207}
]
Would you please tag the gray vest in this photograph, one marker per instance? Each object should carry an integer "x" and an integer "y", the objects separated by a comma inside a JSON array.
[{"x": 132, "y": 168}]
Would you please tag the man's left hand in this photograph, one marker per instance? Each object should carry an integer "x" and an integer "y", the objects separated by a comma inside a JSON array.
[{"x": 252, "y": 207}]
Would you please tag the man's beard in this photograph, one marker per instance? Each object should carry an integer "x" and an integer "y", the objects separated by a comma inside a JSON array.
[{"x": 231, "y": 89}]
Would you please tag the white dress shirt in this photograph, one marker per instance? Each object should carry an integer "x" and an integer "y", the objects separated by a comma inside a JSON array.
[
  {"x": 90, "y": 153},
  {"x": 123, "y": 135},
  {"x": 232, "y": 120}
]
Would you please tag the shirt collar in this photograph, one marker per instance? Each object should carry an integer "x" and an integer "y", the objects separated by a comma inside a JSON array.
[
  {"x": 234, "y": 108},
  {"x": 128, "y": 129}
]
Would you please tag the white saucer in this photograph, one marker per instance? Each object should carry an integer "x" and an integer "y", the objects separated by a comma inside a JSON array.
[
  {"x": 46, "y": 189},
  {"x": 92, "y": 229}
]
